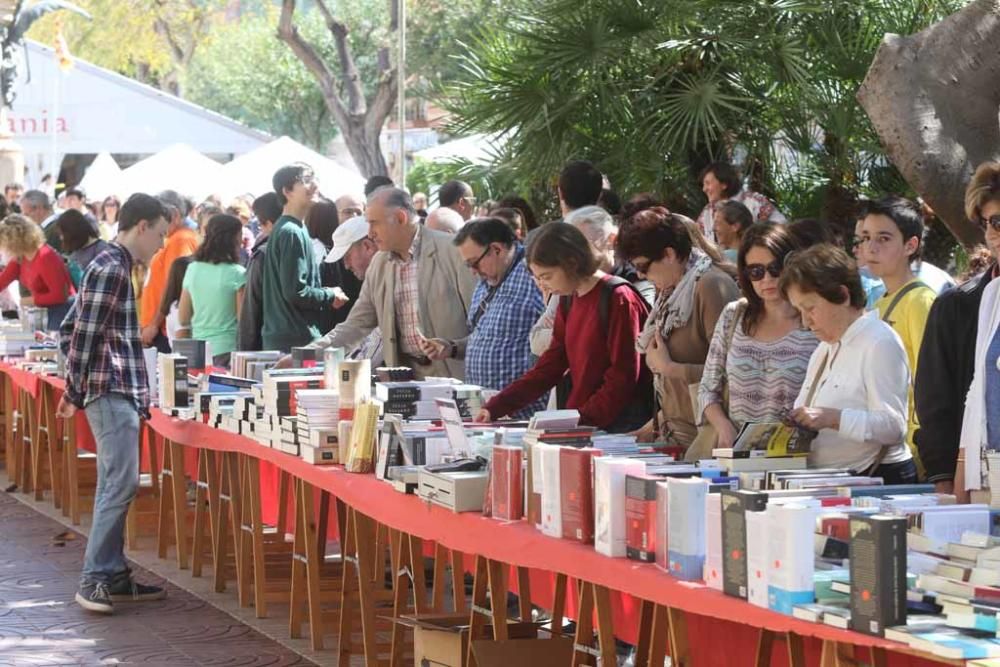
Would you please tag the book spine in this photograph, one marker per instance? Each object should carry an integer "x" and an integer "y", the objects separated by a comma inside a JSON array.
[
  {"x": 685, "y": 534},
  {"x": 878, "y": 573},
  {"x": 735, "y": 505},
  {"x": 790, "y": 561},
  {"x": 713, "y": 541},
  {"x": 576, "y": 494},
  {"x": 551, "y": 492},
  {"x": 609, "y": 503}
]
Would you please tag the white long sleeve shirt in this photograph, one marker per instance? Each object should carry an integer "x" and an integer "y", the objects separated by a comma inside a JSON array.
[{"x": 867, "y": 378}]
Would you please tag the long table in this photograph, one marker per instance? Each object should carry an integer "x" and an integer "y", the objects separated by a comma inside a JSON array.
[{"x": 708, "y": 614}]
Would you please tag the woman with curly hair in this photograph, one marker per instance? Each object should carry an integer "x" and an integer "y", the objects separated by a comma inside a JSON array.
[
  {"x": 213, "y": 288},
  {"x": 37, "y": 267}
]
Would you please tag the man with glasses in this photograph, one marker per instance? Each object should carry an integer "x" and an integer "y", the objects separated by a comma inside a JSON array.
[
  {"x": 416, "y": 288},
  {"x": 293, "y": 295},
  {"x": 457, "y": 195},
  {"x": 504, "y": 307}
]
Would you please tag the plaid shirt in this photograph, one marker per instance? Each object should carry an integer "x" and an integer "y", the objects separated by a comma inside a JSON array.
[
  {"x": 100, "y": 337},
  {"x": 499, "y": 346},
  {"x": 407, "y": 297}
]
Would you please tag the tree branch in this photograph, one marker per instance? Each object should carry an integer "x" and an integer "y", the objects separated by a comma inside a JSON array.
[
  {"x": 350, "y": 78},
  {"x": 383, "y": 101},
  {"x": 289, "y": 34}
]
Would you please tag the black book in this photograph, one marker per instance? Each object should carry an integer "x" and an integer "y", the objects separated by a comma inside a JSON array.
[
  {"x": 735, "y": 505},
  {"x": 394, "y": 374},
  {"x": 230, "y": 381},
  {"x": 193, "y": 350},
  {"x": 878, "y": 573}
]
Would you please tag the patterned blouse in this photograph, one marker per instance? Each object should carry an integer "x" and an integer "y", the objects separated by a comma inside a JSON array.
[{"x": 764, "y": 378}]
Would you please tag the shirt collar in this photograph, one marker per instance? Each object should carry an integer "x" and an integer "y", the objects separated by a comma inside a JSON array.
[{"x": 414, "y": 249}]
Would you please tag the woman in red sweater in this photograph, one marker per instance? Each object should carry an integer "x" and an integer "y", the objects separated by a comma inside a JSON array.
[
  {"x": 37, "y": 266},
  {"x": 604, "y": 367}
]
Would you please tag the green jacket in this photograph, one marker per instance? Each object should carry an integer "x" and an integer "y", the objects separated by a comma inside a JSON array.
[{"x": 293, "y": 297}]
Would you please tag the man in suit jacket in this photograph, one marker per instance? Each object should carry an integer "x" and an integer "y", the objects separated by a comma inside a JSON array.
[{"x": 416, "y": 288}]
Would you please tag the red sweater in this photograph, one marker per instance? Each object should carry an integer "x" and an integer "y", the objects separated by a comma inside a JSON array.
[
  {"x": 45, "y": 276},
  {"x": 604, "y": 366}
]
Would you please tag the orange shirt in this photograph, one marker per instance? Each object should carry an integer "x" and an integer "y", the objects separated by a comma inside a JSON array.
[{"x": 181, "y": 243}]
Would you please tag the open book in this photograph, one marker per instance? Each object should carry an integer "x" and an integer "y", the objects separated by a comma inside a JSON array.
[{"x": 772, "y": 439}]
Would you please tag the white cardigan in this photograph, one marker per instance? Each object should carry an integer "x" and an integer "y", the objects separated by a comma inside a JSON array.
[{"x": 973, "y": 439}]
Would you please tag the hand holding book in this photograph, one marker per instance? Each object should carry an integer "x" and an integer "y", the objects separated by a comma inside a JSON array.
[{"x": 816, "y": 419}]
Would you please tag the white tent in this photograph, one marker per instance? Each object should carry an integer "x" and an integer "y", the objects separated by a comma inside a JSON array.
[
  {"x": 475, "y": 148},
  {"x": 251, "y": 173},
  {"x": 178, "y": 167},
  {"x": 102, "y": 178}
]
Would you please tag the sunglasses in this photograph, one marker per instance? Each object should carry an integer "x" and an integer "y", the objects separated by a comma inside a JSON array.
[
  {"x": 755, "y": 272},
  {"x": 992, "y": 221}
]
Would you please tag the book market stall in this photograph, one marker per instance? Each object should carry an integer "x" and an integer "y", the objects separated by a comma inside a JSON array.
[{"x": 299, "y": 485}]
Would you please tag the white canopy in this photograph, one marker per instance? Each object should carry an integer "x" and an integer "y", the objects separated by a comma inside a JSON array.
[
  {"x": 102, "y": 178},
  {"x": 475, "y": 148},
  {"x": 251, "y": 173},
  {"x": 178, "y": 167}
]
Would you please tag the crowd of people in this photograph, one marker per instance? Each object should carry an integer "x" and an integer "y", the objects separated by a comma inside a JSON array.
[{"x": 679, "y": 330}]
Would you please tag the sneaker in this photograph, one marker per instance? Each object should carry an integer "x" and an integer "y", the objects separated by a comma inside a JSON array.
[
  {"x": 127, "y": 589},
  {"x": 94, "y": 596}
]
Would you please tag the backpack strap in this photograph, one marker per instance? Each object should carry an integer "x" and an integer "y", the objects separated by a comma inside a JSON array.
[
  {"x": 608, "y": 288},
  {"x": 899, "y": 297}
]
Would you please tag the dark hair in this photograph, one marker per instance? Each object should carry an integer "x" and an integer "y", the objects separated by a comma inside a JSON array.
[
  {"x": 735, "y": 213},
  {"x": 176, "y": 201},
  {"x": 452, "y": 192},
  {"x": 222, "y": 233},
  {"x": 522, "y": 205},
  {"x": 640, "y": 202},
  {"x": 76, "y": 230},
  {"x": 808, "y": 232},
  {"x": 37, "y": 198},
  {"x": 266, "y": 208},
  {"x": 4, "y": 208},
  {"x": 76, "y": 192},
  {"x": 286, "y": 178},
  {"x": 610, "y": 201},
  {"x": 322, "y": 221},
  {"x": 825, "y": 270},
  {"x": 175, "y": 283},
  {"x": 580, "y": 184},
  {"x": 139, "y": 207},
  {"x": 564, "y": 246},
  {"x": 777, "y": 240},
  {"x": 110, "y": 199},
  {"x": 905, "y": 214},
  {"x": 726, "y": 174},
  {"x": 650, "y": 232},
  {"x": 512, "y": 217},
  {"x": 12, "y": 186},
  {"x": 484, "y": 231},
  {"x": 376, "y": 182}
]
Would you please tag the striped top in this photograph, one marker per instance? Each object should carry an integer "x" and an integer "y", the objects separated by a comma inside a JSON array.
[{"x": 764, "y": 378}]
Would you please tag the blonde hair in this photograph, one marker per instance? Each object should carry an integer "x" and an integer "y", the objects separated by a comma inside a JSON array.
[
  {"x": 20, "y": 236},
  {"x": 983, "y": 188}
]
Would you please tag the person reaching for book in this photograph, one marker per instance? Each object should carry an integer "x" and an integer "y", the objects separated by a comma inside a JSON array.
[{"x": 759, "y": 353}]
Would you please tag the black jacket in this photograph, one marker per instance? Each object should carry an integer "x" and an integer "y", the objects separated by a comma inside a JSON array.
[
  {"x": 945, "y": 368},
  {"x": 248, "y": 336},
  {"x": 336, "y": 274}
]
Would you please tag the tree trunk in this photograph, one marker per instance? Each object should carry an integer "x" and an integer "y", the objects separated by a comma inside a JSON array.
[{"x": 933, "y": 99}]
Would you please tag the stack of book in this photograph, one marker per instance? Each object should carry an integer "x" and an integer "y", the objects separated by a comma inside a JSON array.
[
  {"x": 173, "y": 388},
  {"x": 306, "y": 357},
  {"x": 251, "y": 365},
  {"x": 318, "y": 417},
  {"x": 413, "y": 400},
  {"x": 281, "y": 386}
]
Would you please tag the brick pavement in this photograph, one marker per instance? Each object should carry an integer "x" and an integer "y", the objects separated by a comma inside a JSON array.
[{"x": 41, "y": 625}]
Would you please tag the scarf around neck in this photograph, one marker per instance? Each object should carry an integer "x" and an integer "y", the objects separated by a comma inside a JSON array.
[{"x": 672, "y": 309}]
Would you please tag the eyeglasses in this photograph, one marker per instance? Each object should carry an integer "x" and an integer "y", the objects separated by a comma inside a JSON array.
[
  {"x": 755, "y": 272},
  {"x": 992, "y": 221},
  {"x": 474, "y": 266},
  {"x": 471, "y": 200},
  {"x": 308, "y": 179}
]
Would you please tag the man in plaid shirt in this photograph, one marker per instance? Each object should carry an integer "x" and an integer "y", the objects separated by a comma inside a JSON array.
[
  {"x": 504, "y": 307},
  {"x": 106, "y": 377}
]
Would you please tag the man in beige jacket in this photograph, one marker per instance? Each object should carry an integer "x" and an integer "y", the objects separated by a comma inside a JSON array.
[{"x": 417, "y": 288}]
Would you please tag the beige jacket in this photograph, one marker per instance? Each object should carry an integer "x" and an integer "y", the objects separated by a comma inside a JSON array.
[{"x": 446, "y": 287}]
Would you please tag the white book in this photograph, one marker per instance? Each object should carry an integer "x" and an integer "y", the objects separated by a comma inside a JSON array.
[
  {"x": 946, "y": 523},
  {"x": 609, "y": 503},
  {"x": 790, "y": 555},
  {"x": 344, "y": 436},
  {"x": 757, "y": 553},
  {"x": 713, "y": 541},
  {"x": 686, "y": 527},
  {"x": 355, "y": 386},
  {"x": 551, "y": 493}
]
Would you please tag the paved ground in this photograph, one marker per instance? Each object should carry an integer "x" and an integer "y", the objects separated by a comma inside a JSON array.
[{"x": 41, "y": 625}]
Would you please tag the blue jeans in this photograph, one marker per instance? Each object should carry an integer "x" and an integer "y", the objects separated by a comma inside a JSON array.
[
  {"x": 904, "y": 472},
  {"x": 114, "y": 421}
]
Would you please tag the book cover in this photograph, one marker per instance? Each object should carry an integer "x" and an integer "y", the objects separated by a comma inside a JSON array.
[
  {"x": 713, "y": 540},
  {"x": 662, "y": 521},
  {"x": 685, "y": 535},
  {"x": 878, "y": 573},
  {"x": 332, "y": 357},
  {"x": 508, "y": 496},
  {"x": 355, "y": 384},
  {"x": 534, "y": 486},
  {"x": 609, "y": 503},
  {"x": 790, "y": 556},
  {"x": 640, "y": 517},
  {"x": 776, "y": 439},
  {"x": 551, "y": 490},
  {"x": 576, "y": 490},
  {"x": 757, "y": 553},
  {"x": 735, "y": 506}
]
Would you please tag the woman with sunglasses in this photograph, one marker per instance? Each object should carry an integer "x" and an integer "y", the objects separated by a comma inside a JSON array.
[
  {"x": 948, "y": 362},
  {"x": 693, "y": 288},
  {"x": 855, "y": 389},
  {"x": 760, "y": 350}
]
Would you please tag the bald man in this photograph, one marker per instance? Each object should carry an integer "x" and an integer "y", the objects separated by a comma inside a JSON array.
[
  {"x": 349, "y": 206},
  {"x": 444, "y": 219}
]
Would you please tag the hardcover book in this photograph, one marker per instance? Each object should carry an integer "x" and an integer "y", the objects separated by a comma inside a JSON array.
[
  {"x": 790, "y": 556},
  {"x": 576, "y": 487},
  {"x": 878, "y": 573},
  {"x": 609, "y": 503},
  {"x": 735, "y": 507},
  {"x": 685, "y": 534},
  {"x": 508, "y": 495},
  {"x": 640, "y": 517}
]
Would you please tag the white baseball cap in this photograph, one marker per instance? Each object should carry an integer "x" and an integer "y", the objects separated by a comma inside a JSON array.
[{"x": 346, "y": 235}]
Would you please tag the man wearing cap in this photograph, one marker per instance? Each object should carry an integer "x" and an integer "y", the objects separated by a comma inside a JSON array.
[{"x": 417, "y": 287}]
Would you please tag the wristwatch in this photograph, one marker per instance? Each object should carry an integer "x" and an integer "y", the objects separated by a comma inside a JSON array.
[{"x": 454, "y": 350}]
